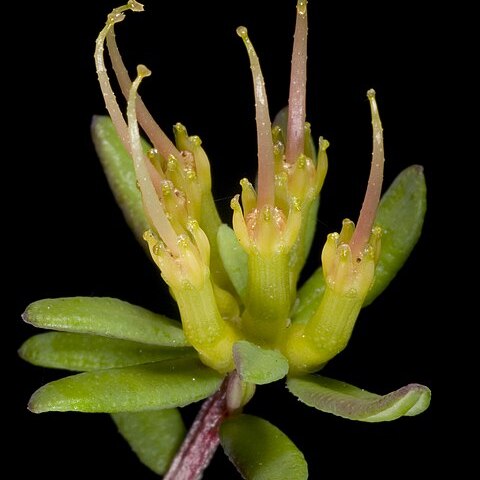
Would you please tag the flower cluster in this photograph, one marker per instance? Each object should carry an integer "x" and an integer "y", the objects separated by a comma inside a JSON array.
[
  {"x": 270, "y": 222},
  {"x": 244, "y": 321}
]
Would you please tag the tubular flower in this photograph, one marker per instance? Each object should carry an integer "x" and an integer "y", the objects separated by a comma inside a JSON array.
[
  {"x": 272, "y": 222},
  {"x": 244, "y": 322},
  {"x": 175, "y": 186},
  {"x": 349, "y": 260}
]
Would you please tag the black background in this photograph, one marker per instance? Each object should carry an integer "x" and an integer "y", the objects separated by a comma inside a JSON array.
[{"x": 70, "y": 238}]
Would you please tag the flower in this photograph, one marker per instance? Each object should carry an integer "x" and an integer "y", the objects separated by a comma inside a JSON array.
[{"x": 175, "y": 185}]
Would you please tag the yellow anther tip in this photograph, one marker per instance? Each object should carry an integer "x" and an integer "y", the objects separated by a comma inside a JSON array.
[
  {"x": 135, "y": 6},
  {"x": 242, "y": 32},
  {"x": 143, "y": 71},
  {"x": 179, "y": 127},
  {"x": 196, "y": 140},
  {"x": 235, "y": 202},
  {"x": 333, "y": 237},
  {"x": 323, "y": 144},
  {"x": 302, "y": 7},
  {"x": 244, "y": 183}
]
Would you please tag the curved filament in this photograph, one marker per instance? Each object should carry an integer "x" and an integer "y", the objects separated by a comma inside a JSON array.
[
  {"x": 298, "y": 84},
  {"x": 264, "y": 127},
  {"x": 152, "y": 204},
  {"x": 374, "y": 189},
  {"x": 157, "y": 136}
]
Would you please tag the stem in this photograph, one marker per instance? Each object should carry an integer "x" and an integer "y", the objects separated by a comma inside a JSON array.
[{"x": 202, "y": 440}]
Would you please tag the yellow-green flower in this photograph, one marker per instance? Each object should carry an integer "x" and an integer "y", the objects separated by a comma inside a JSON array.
[{"x": 243, "y": 320}]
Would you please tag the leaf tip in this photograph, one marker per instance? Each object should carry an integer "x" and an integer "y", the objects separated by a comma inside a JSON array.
[
  {"x": 418, "y": 169},
  {"x": 21, "y": 352},
  {"x": 26, "y": 315},
  {"x": 424, "y": 396},
  {"x": 96, "y": 120},
  {"x": 33, "y": 405}
]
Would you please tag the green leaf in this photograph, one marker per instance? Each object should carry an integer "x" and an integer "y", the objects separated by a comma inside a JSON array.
[
  {"x": 350, "y": 402},
  {"x": 258, "y": 365},
  {"x": 107, "y": 317},
  {"x": 154, "y": 436},
  {"x": 167, "y": 384},
  {"x": 118, "y": 167},
  {"x": 260, "y": 451},
  {"x": 234, "y": 258},
  {"x": 400, "y": 215},
  {"x": 83, "y": 352}
]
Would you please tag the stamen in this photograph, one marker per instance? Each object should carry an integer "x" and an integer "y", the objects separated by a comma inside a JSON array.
[
  {"x": 298, "y": 83},
  {"x": 374, "y": 189},
  {"x": 157, "y": 136},
  {"x": 152, "y": 204},
  {"x": 113, "y": 109},
  {"x": 266, "y": 180}
]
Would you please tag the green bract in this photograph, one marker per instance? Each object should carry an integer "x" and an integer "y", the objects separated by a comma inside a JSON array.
[
  {"x": 400, "y": 216},
  {"x": 258, "y": 365},
  {"x": 350, "y": 402},
  {"x": 243, "y": 319},
  {"x": 154, "y": 436},
  {"x": 117, "y": 165},
  {"x": 271, "y": 456}
]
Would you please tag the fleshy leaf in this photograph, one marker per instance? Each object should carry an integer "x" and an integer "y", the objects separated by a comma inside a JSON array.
[
  {"x": 107, "y": 317},
  {"x": 234, "y": 258},
  {"x": 118, "y": 167},
  {"x": 260, "y": 451},
  {"x": 155, "y": 436},
  {"x": 258, "y": 365},
  {"x": 350, "y": 402},
  {"x": 167, "y": 384},
  {"x": 400, "y": 215},
  {"x": 83, "y": 352}
]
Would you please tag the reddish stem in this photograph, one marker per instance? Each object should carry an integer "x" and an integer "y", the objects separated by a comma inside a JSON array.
[{"x": 202, "y": 439}]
